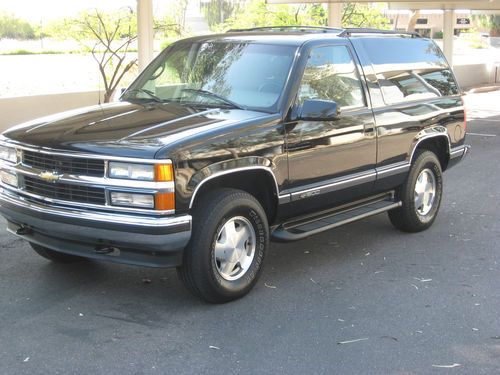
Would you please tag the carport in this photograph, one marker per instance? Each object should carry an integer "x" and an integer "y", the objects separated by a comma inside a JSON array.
[
  {"x": 448, "y": 6},
  {"x": 145, "y": 18}
]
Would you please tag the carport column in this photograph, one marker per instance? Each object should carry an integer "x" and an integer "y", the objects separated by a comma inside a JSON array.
[
  {"x": 334, "y": 15},
  {"x": 448, "y": 30},
  {"x": 145, "y": 33}
]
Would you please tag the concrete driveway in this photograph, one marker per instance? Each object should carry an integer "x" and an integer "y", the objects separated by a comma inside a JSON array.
[{"x": 362, "y": 299}]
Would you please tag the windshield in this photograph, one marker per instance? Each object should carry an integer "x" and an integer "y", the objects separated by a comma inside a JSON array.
[{"x": 230, "y": 74}]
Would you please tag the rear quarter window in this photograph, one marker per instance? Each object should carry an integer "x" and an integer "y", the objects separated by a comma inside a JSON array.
[{"x": 410, "y": 69}]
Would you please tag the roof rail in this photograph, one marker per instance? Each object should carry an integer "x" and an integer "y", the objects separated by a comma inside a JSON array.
[
  {"x": 351, "y": 31},
  {"x": 316, "y": 29},
  {"x": 323, "y": 29}
]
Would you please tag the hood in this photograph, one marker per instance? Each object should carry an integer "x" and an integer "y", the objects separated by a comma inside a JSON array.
[{"x": 124, "y": 128}]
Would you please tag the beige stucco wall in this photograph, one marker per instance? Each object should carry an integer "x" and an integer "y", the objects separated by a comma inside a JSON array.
[
  {"x": 19, "y": 109},
  {"x": 473, "y": 75}
]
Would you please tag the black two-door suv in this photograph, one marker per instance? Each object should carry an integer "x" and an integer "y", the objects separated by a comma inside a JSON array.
[{"x": 227, "y": 141}]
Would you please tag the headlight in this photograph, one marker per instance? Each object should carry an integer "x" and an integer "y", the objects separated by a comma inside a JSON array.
[
  {"x": 132, "y": 200},
  {"x": 8, "y": 153},
  {"x": 9, "y": 178},
  {"x": 142, "y": 172}
]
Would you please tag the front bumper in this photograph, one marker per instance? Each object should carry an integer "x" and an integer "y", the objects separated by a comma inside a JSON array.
[{"x": 122, "y": 238}]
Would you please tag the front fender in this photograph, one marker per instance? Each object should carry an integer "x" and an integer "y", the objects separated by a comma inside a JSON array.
[{"x": 227, "y": 167}]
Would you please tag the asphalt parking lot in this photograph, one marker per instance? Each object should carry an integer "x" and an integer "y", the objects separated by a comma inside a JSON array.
[{"x": 362, "y": 299}]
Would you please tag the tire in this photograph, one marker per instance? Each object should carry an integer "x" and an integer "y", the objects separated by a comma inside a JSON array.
[
  {"x": 418, "y": 211},
  {"x": 214, "y": 268},
  {"x": 55, "y": 256}
]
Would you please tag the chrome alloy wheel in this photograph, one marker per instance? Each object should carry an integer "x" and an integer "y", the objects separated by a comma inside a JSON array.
[
  {"x": 235, "y": 248},
  {"x": 425, "y": 192}
]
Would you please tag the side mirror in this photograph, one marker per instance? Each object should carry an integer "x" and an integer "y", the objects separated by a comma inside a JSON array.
[{"x": 318, "y": 110}]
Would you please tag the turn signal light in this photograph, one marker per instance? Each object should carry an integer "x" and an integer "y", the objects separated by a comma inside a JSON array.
[
  {"x": 164, "y": 172},
  {"x": 165, "y": 201}
]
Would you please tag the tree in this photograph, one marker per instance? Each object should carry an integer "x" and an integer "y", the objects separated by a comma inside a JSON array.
[
  {"x": 363, "y": 15},
  {"x": 218, "y": 11},
  {"x": 12, "y": 27},
  {"x": 412, "y": 23},
  {"x": 490, "y": 22},
  {"x": 258, "y": 14},
  {"x": 108, "y": 37}
]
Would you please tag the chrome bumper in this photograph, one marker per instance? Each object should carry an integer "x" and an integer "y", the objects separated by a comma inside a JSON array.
[{"x": 123, "y": 238}]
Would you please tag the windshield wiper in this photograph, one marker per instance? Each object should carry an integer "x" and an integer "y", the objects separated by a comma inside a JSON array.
[
  {"x": 144, "y": 91},
  {"x": 215, "y": 96}
]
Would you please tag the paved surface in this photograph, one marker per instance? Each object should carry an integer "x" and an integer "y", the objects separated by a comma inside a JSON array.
[{"x": 414, "y": 302}]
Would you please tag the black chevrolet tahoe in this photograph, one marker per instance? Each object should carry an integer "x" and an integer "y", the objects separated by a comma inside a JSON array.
[{"x": 225, "y": 142}]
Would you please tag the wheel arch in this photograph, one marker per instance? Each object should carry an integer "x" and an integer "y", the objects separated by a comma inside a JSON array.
[
  {"x": 257, "y": 180},
  {"x": 435, "y": 140}
]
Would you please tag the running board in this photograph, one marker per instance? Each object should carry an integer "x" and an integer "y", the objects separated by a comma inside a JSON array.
[{"x": 299, "y": 231}]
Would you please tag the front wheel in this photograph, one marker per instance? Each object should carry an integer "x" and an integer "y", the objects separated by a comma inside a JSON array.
[
  {"x": 229, "y": 240},
  {"x": 420, "y": 195}
]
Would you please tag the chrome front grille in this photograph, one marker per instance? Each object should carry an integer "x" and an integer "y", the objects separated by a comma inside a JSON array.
[
  {"x": 64, "y": 164},
  {"x": 65, "y": 192},
  {"x": 57, "y": 178}
]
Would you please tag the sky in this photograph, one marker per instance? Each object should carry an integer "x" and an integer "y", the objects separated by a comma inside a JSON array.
[{"x": 47, "y": 10}]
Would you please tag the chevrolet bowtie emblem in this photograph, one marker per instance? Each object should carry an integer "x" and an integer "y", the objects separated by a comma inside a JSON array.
[{"x": 49, "y": 176}]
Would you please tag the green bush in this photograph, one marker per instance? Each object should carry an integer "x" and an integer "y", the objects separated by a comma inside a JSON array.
[
  {"x": 438, "y": 35},
  {"x": 12, "y": 27}
]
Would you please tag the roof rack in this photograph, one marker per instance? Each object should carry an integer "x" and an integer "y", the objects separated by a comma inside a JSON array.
[
  {"x": 316, "y": 29},
  {"x": 323, "y": 29},
  {"x": 350, "y": 31}
]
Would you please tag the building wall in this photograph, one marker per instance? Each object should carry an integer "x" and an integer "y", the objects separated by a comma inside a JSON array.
[
  {"x": 19, "y": 109},
  {"x": 434, "y": 21}
]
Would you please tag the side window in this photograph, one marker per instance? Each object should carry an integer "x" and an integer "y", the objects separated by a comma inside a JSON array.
[
  {"x": 410, "y": 69},
  {"x": 331, "y": 74}
]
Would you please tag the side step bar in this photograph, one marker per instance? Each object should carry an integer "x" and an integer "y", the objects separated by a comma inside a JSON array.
[{"x": 291, "y": 232}]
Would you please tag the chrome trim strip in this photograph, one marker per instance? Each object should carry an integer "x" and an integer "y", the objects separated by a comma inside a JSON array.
[
  {"x": 351, "y": 180},
  {"x": 335, "y": 184},
  {"x": 106, "y": 207},
  {"x": 143, "y": 221},
  {"x": 393, "y": 169},
  {"x": 50, "y": 151},
  {"x": 240, "y": 169},
  {"x": 286, "y": 198}
]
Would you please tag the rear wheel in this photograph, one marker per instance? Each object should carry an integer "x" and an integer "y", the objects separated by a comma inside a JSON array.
[
  {"x": 55, "y": 256},
  {"x": 420, "y": 194},
  {"x": 230, "y": 237}
]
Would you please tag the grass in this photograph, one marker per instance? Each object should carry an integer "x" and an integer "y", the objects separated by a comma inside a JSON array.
[{"x": 27, "y": 52}]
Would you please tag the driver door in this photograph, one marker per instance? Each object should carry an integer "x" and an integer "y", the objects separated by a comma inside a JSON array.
[{"x": 332, "y": 161}]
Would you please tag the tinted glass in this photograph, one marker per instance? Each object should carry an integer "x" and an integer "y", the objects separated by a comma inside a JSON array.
[
  {"x": 331, "y": 74},
  {"x": 410, "y": 69},
  {"x": 248, "y": 74}
]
